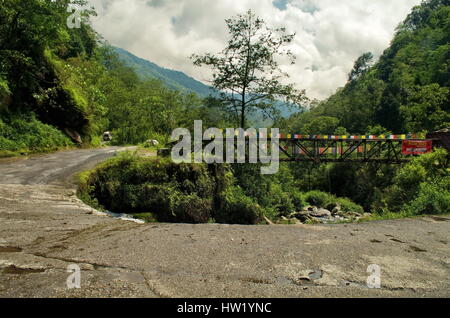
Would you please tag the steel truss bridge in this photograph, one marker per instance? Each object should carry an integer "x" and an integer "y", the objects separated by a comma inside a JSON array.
[
  {"x": 389, "y": 151},
  {"x": 384, "y": 149}
]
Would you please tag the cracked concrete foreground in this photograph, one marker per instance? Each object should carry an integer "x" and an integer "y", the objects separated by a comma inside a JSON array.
[{"x": 44, "y": 228}]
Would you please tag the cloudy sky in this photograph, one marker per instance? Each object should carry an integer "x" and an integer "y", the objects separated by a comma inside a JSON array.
[{"x": 331, "y": 34}]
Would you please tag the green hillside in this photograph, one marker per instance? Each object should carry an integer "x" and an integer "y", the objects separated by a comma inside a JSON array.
[
  {"x": 180, "y": 81},
  {"x": 173, "y": 79},
  {"x": 407, "y": 90}
]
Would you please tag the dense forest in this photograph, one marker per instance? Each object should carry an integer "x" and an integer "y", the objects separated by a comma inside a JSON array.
[
  {"x": 406, "y": 91},
  {"x": 62, "y": 86}
]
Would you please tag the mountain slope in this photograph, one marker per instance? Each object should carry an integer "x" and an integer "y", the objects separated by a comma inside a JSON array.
[
  {"x": 407, "y": 90},
  {"x": 173, "y": 79},
  {"x": 180, "y": 81}
]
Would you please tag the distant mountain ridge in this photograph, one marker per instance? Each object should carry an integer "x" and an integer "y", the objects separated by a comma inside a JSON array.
[
  {"x": 173, "y": 79},
  {"x": 179, "y": 81}
]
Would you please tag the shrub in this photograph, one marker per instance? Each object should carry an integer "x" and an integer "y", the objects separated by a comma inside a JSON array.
[
  {"x": 298, "y": 200},
  {"x": 319, "y": 199},
  {"x": 169, "y": 203},
  {"x": 24, "y": 132},
  {"x": 154, "y": 197},
  {"x": 192, "y": 209},
  {"x": 430, "y": 168},
  {"x": 349, "y": 206},
  {"x": 432, "y": 199},
  {"x": 280, "y": 201},
  {"x": 174, "y": 193},
  {"x": 6, "y": 144},
  {"x": 237, "y": 208}
]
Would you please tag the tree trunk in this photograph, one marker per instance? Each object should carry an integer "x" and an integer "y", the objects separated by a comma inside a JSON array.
[{"x": 243, "y": 111}]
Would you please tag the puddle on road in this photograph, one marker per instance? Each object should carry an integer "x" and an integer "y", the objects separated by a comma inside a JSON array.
[{"x": 316, "y": 275}]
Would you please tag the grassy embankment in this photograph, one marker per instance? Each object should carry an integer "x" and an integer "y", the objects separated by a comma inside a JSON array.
[{"x": 156, "y": 189}]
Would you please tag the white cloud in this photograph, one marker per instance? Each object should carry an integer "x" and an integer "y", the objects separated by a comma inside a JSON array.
[{"x": 330, "y": 34}]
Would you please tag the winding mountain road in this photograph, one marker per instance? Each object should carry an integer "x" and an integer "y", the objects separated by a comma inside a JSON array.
[{"x": 44, "y": 228}]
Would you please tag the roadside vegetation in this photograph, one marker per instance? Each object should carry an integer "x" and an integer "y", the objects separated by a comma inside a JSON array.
[
  {"x": 156, "y": 189},
  {"x": 24, "y": 134}
]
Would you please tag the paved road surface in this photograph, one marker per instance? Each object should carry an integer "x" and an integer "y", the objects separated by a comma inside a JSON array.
[{"x": 44, "y": 228}]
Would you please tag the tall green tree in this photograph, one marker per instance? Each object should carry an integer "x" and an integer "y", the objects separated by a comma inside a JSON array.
[
  {"x": 362, "y": 65},
  {"x": 247, "y": 73},
  {"x": 427, "y": 108}
]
